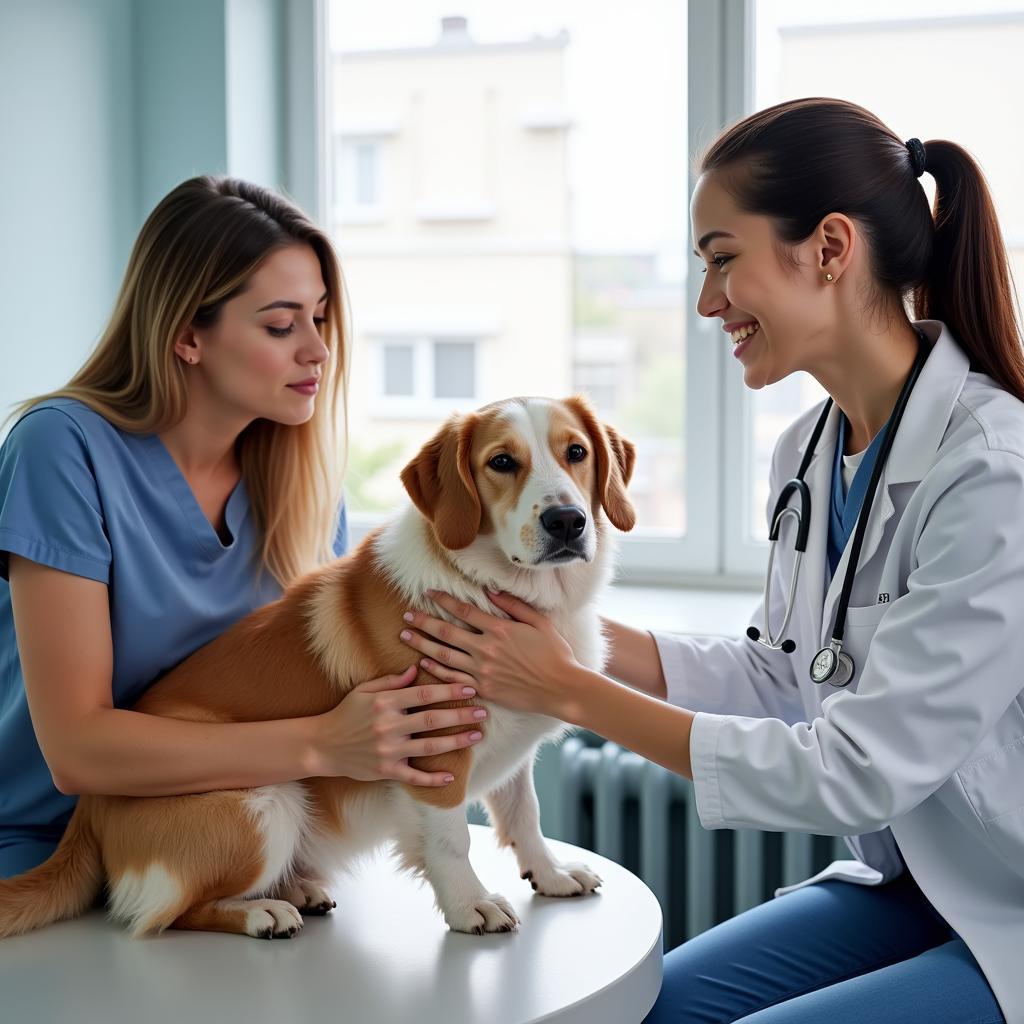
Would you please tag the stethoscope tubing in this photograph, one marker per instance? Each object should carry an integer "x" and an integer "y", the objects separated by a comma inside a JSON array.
[{"x": 831, "y": 664}]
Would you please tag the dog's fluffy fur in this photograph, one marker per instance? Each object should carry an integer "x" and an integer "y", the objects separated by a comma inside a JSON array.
[{"x": 248, "y": 861}]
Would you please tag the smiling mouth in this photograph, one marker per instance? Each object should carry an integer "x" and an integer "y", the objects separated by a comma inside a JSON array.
[{"x": 744, "y": 332}]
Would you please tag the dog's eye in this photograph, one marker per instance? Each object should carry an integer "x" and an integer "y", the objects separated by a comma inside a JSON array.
[
  {"x": 503, "y": 464},
  {"x": 576, "y": 453}
]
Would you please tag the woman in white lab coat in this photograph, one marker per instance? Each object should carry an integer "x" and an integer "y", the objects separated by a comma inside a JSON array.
[{"x": 814, "y": 230}]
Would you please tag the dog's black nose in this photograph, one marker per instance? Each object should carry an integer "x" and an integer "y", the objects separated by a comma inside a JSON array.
[{"x": 564, "y": 522}]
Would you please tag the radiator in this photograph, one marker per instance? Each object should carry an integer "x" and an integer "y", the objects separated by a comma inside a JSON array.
[{"x": 599, "y": 796}]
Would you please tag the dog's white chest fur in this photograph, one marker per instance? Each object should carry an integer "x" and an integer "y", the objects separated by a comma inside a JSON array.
[{"x": 411, "y": 562}]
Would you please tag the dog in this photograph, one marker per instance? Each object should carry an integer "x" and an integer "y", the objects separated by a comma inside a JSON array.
[{"x": 516, "y": 496}]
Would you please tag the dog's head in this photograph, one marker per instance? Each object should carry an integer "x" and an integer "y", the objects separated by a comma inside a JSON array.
[{"x": 532, "y": 475}]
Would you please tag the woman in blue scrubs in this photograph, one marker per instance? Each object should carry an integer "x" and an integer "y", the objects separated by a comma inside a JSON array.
[{"x": 187, "y": 473}]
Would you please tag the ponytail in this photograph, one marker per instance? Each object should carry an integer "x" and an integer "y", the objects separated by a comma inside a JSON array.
[
  {"x": 798, "y": 161},
  {"x": 968, "y": 284}
]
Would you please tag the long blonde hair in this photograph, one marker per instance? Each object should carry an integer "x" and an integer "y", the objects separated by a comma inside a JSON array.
[{"x": 196, "y": 251}]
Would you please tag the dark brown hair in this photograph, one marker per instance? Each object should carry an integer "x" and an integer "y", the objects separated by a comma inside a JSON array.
[{"x": 797, "y": 162}]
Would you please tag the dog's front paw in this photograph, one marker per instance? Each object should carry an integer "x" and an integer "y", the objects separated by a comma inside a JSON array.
[
  {"x": 572, "y": 879},
  {"x": 490, "y": 913}
]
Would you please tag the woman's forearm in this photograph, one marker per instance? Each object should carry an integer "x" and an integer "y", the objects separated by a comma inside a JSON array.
[
  {"x": 650, "y": 727},
  {"x": 128, "y": 753},
  {"x": 634, "y": 658}
]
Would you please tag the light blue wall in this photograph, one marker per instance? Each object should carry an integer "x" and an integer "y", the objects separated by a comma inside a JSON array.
[
  {"x": 105, "y": 105},
  {"x": 181, "y": 94},
  {"x": 255, "y": 86},
  {"x": 67, "y": 182}
]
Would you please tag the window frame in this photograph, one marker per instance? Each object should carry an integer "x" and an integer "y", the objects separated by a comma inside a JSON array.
[{"x": 716, "y": 551}]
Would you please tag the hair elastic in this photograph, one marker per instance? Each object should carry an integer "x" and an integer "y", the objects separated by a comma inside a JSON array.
[{"x": 917, "y": 155}]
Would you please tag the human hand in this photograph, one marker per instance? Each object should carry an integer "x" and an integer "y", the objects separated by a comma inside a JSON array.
[
  {"x": 521, "y": 663},
  {"x": 368, "y": 735}
]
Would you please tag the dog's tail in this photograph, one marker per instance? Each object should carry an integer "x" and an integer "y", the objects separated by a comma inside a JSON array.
[{"x": 63, "y": 886}]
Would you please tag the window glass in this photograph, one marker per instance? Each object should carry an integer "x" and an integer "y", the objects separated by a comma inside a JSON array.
[
  {"x": 515, "y": 197},
  {"x": 946, "y": 69}
]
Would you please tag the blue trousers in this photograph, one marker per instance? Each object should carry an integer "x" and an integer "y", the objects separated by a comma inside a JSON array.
[
  {"x": 833, "y": 952},
  {"x": 22, "y": 850}
]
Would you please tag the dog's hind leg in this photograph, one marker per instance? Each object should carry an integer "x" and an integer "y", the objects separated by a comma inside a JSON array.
[
  {"x": 222, "y": 851},
  {"x": 306, "y": 894},
  {"x": 262, "y": 919},
  {"x": 515, "y": 814}
]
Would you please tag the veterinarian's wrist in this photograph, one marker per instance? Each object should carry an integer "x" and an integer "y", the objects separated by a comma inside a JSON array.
[{"x": 576, "y": 684}]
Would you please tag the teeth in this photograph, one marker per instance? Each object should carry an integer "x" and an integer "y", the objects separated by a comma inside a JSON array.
[{"x": 744, "y": 332}]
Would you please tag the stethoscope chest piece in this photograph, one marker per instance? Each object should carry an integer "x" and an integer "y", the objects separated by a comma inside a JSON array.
[{"x": 832, "y": 665}]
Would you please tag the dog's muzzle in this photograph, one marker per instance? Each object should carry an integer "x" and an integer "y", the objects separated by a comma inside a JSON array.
[{"x": 565, "y": 525}]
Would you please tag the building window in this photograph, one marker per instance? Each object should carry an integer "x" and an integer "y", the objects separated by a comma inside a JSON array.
[
  {"x": 398, "y": 371},
  {"x": 357, "y": 181},
  {"x": 454, "y": 369},
  {"x": 600, "y": 382},
  {"x": 426, "y": 377},
  {"x": 365, "y": 173}
]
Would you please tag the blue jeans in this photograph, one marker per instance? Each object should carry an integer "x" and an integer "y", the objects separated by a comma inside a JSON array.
[{"x": 835, "y": 952}]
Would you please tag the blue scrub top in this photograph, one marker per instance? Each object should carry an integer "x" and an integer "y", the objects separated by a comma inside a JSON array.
[
  {"x": 82, "y": 496},
  {"x": 844, "y": 508}
]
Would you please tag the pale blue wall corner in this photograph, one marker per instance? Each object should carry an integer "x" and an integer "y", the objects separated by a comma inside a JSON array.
[{"x": 105, "y": 106}]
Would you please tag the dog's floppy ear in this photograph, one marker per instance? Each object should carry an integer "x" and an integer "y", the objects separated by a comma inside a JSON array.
[
  {"x": 615, "y": 460},
  {"x": 440, "y": 482}
]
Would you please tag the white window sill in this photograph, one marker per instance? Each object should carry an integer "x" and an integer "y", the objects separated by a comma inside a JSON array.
[
  {"x": 350, "y": 216},
  {"x": 681, "y": 609},
  {"x": 468, "y": 211},
  {"x": 392, "y": 408},
  {"x": 369, "y": 127}
]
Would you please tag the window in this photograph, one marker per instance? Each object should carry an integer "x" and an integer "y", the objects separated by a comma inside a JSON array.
[
  {"x": 512, "y": 220},
  {"x": 533, "y": 164},
  {"x": 398, "y": 371},
  {"x": 422, "y": 379},
  {"x": 365, "y": 187},
  {"x": 357, "y": 183},
  {"x": 454, "y": 369}
]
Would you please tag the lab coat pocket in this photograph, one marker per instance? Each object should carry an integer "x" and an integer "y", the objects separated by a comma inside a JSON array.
[
  {"x": 866, "y": 615},
  {"x": 861, "y": 625}
]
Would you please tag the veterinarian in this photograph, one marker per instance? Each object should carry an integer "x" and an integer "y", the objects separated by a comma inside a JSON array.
[
  {"x": 902, "y": 727},
  {"x": 181, "y": 478}
]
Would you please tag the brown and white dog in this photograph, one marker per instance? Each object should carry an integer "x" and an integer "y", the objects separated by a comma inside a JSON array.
[{"x": 512, "y": 497}]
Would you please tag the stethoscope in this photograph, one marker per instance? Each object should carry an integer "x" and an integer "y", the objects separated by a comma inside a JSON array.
[{"x": 831, "y": 664}]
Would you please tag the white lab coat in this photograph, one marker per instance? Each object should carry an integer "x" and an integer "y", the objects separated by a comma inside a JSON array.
[{"x": 926, "y": 745}]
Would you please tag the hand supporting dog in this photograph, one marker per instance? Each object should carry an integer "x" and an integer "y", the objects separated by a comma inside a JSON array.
[
  {"x": 369, "y": 734},
  {"x": 520, "y": 662}
]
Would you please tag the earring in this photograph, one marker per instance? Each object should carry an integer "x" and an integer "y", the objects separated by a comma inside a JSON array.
[{"x": 828, "y": 277}]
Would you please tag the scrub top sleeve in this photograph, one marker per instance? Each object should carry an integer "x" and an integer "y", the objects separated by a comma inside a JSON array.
[{"x": 50, "y": 510}]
